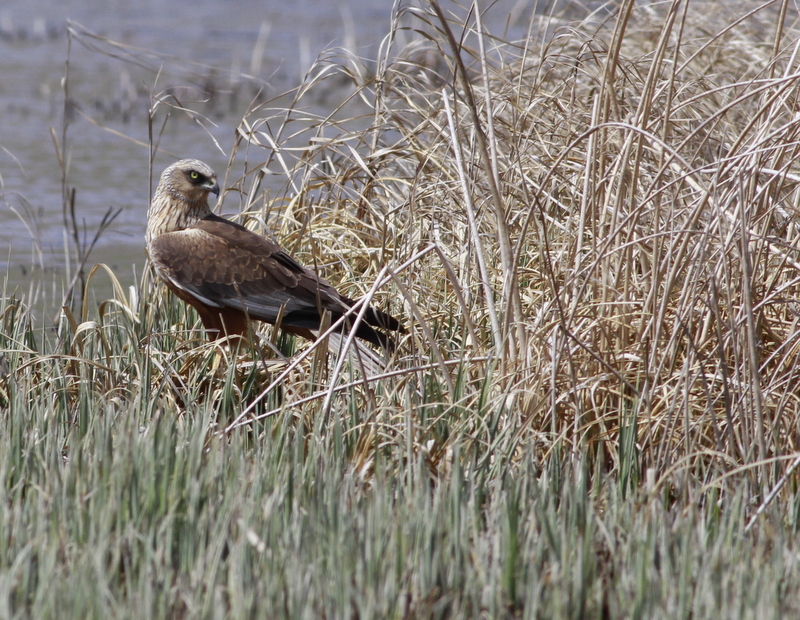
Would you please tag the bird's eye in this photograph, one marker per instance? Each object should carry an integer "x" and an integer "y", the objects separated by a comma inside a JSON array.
[{"x": 194, "y": 175}]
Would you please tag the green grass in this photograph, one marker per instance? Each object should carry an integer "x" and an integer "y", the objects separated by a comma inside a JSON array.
[
  {"x": 593, "y": 238},
  {"x": 132, "y": 511}
]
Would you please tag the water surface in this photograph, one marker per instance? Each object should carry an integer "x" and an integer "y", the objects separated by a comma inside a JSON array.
[{"x": 232, "y": 49}]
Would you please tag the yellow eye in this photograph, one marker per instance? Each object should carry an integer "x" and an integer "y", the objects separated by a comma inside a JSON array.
[{"x": 194, "y": 175}]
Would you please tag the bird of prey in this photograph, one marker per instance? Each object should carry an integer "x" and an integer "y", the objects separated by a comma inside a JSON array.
[{"x": 231, "y": 274}]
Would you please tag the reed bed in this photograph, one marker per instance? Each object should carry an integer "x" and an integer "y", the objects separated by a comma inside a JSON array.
[{"x": 592, "y": 235}]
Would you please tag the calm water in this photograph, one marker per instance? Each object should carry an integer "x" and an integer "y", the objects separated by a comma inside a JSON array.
[{"x": 199, "y": 43}]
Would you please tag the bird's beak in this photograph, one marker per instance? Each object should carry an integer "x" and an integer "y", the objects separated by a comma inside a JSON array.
[{"x": 215, "y": 189}]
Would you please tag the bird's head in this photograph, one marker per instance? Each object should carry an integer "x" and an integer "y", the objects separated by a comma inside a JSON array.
[
  {"x": 189, "y": 180},
  {"x": 181, "y": 198}
]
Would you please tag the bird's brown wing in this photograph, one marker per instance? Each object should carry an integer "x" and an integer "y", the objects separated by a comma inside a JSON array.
[{"x": 223, "y": 265}]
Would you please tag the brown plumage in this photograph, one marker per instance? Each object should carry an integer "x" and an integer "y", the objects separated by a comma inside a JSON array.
[{"x": 229, "y": 273}]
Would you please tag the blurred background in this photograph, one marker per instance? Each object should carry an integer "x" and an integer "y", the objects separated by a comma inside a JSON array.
[{"x": 218, "y": 59}]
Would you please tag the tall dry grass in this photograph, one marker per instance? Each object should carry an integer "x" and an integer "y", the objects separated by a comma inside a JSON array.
[{"x": 607, "y": 212}]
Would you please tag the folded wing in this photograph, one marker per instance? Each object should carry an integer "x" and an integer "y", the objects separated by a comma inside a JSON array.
[{"x": 223, "y": 265}]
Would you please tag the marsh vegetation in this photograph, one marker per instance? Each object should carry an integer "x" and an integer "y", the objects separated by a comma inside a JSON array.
[{"x": 592, "y": 235}]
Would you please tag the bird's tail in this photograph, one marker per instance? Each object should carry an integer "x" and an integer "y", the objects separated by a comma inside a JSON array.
[{"x": 377, "y": 318}]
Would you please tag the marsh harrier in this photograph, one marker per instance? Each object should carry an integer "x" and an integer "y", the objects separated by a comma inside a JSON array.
[{"x": 231, "y": 274}]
